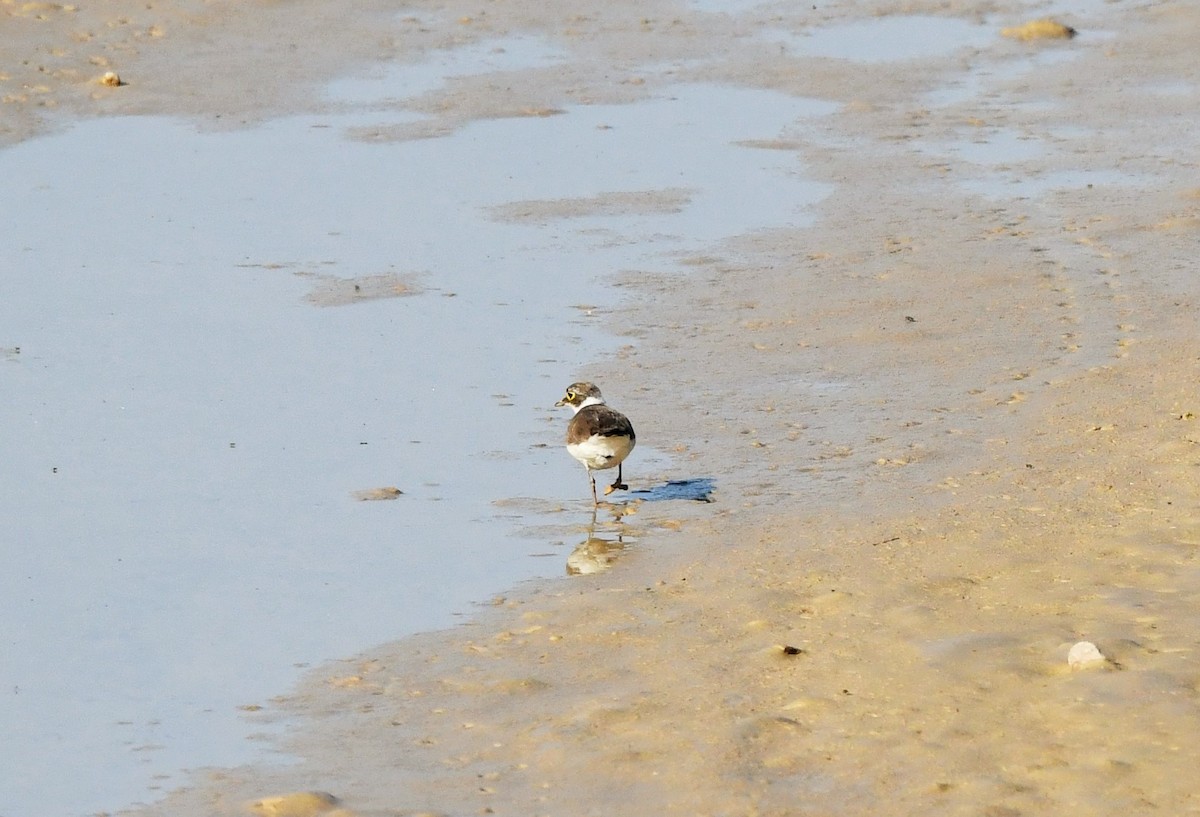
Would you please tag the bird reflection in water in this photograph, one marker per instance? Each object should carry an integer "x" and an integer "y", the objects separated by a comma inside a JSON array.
[
  {"x": 607, "y": 539},
  {"x": 603, "y": 544}
]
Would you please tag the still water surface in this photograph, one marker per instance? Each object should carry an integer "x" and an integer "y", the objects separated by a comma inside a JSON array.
[{"x": 185, "y": 423}]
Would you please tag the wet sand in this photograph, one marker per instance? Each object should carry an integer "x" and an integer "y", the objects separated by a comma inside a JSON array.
[{"x": 953, "y": 427}]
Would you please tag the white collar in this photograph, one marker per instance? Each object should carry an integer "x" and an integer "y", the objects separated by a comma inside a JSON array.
[{"x": 589, "y": 401}]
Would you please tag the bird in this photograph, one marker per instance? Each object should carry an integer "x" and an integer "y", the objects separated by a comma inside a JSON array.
[{"x": 598, "y": 436}]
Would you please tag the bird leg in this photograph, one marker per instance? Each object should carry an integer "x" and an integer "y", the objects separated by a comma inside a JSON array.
[
  {"x": 595, "y": 500},
  {"x": 618, "y": 485}
]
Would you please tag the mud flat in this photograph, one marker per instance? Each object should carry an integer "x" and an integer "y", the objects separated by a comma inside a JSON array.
[{"x": 952, "y": 424}]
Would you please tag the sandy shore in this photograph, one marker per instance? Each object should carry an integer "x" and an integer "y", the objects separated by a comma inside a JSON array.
[{"x": 953, "y": 426}]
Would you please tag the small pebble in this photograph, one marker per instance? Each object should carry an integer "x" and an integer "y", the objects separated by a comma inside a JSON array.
[
  {"x": 1084, "y": 655},
  {"x": 296, "y": 804},
  {"x": 377, "y": 494},
  {"x": 1044, "y": 29}
]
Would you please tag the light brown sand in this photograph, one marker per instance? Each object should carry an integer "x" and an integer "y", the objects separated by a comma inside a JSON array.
[{"x": 930, "y": 511}]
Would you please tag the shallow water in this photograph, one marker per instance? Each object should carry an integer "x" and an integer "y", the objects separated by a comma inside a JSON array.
[
  {"x": 891, "y": 39},
  {"x": 187, "y": 426},
  {"x": 1001, "y": 158}
]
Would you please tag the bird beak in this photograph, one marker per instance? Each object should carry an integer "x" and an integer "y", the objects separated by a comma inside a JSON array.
[{"x": 561, "y": 403}]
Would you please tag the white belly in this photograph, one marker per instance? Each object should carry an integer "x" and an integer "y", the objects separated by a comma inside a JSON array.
[{"x": 598, "y": 453}]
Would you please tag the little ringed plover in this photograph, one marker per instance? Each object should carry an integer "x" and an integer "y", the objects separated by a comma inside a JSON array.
[{"x": 598, "y": 436}]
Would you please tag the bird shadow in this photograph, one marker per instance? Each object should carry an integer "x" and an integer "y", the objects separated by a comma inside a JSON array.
[{"x": 699, "y": 489}]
